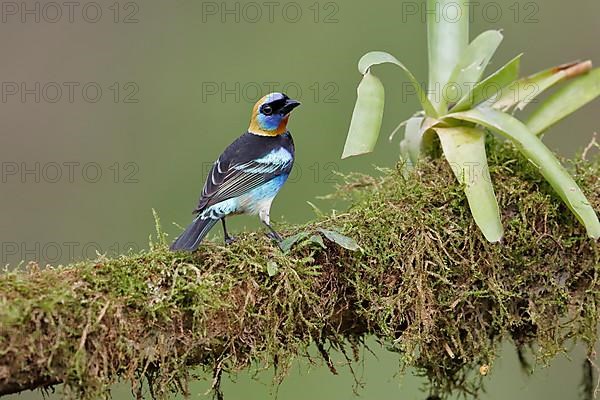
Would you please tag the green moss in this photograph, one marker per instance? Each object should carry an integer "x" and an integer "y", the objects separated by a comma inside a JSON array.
[{"x": 426, "y": 283}]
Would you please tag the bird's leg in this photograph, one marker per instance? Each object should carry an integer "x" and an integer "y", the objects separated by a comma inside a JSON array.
[
  {"x": 265, "y": 219},
  {"x": 273, "y": 233},
  {"x": 228, "y": 239}
]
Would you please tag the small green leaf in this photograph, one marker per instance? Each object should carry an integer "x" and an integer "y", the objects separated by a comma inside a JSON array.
[
  {"x": 491, "y": 86},
  {"x": 471, "y": 65},
  {"x": 344, "y": 241},
  {"x": 381, "y": 57},
  {"x": 317, "y": 239},
  {"x": 565, "y": 101},
  {"x": 533, "y": 148},
  {"x": 366, "y": 117},
  {"x": 464, "y": 148},
  {"x": 287, "y": 243},
  {"x": 272, "y": 268}
]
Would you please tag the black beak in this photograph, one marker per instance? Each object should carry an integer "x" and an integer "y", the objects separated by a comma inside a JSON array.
[{"x": 289, "y": 105}]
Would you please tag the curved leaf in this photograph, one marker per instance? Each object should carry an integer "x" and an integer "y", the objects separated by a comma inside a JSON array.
[
  {"x": 342, "y": 240},
  {"x": 366, "y": 117},
  {"x": 317, "y": 239},
  {"x": 568, "y": 99},
  {"x": 472, "y": 64},
  {"x": 410, "y": 146},
  {"x": 491, "y": 86},
  {"x": 464, "y": 148},
  {"x": 381, "y": 57},
  {"x": 525, "y": 91},
  {"x": 533, "y": 148},
  {"x": 287, "y": 243}
]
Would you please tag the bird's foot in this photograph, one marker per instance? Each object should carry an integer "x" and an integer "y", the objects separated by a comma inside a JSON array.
[
  {"x": 229, "y": 240},
  {"x": 274, "y": 236}
]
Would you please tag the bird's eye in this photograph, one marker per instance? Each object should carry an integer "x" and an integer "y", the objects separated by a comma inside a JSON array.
[{"x": 267, "y": 110}]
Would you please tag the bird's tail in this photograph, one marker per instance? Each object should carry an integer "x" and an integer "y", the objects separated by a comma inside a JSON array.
[{"x": 190, "y": 239}]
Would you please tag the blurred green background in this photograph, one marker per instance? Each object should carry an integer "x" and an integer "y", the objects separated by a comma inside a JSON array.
[{"x": 110, "y": 109}]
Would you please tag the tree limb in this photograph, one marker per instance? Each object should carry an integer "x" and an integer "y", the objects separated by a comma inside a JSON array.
[{"x": 426, "y": 283}]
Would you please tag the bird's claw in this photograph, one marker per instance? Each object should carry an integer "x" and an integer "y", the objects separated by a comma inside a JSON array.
[
  {"x": 275, "y": 236},
  {"x": 229, "y": 240}
]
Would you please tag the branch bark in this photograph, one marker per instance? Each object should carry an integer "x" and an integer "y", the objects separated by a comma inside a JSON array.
[{"x": 426, "y": 283}]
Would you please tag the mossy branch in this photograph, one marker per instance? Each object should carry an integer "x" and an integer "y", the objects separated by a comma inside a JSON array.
[{"x": 426, "y": 283}]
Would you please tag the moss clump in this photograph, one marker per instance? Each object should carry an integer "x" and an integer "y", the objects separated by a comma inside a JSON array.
[{"x": 426, "y": 283}]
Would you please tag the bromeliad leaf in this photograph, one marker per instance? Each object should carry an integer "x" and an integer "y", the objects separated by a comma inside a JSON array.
[
  {"x": 344, "y": 241},
  {"x": 454, "y": 64},
  {"x": 471, "y": 65},
  {"x": 366, "y": 117},
  {"x": 565, "y": 101},
  {"x": 418, "y": 140},
  {"x": 464, "y": 148},
  {"x": 533, "y": 148},
  {"x": 526, "y": 90},
  {"x": 381, "y": 57},
  {"x": 410, "y": 146},
  {"x": 491, "y": 86},
  {"x": 447, "y": 38}
]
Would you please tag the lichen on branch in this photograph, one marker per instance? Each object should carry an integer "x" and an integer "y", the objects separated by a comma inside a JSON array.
[{"x": 425, "y": 282}]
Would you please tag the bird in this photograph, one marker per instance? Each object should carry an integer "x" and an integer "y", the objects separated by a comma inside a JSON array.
[{"x": 247, "y": 175}]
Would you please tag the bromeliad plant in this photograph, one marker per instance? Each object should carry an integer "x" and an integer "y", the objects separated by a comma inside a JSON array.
[{"x": 461, "y": 108}]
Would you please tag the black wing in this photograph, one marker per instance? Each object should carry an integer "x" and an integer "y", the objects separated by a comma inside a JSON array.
[{"x": 248, "y": 163}]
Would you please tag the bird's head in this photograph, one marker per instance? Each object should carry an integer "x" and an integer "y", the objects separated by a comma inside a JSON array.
[{"x": 271, "y": 113}]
